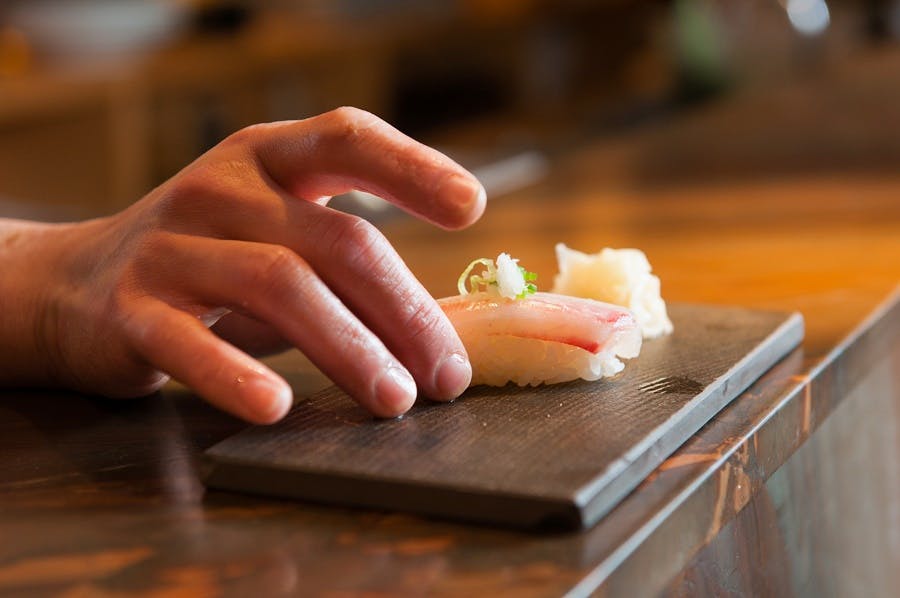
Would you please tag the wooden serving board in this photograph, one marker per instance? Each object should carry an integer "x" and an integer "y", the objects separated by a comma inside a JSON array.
[{"x": 560, "y": 455}]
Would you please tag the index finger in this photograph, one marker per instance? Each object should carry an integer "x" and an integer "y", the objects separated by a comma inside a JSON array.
[{"x": 348, "y": 149}]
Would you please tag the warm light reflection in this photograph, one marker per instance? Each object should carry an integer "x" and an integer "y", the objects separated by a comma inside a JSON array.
[{"x": 809, "y": 17}]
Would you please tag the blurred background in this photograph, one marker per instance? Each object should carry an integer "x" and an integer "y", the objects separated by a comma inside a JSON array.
[{"x": 100, "y": 100}]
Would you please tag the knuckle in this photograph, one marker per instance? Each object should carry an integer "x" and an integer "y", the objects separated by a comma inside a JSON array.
[
  {"x": 357, "y": 241},
  {"x": 168, "y": 205},
  {"x": 246, "y": 135},
  {"x": 345, "y": 124},
  {"x": 272, "y": 269},
  {"x": 348, "y": 116},
  {"x": 200, "y": 193},
  {"x": 273, "y": 263},
  {"x": 186, "y": 195}
]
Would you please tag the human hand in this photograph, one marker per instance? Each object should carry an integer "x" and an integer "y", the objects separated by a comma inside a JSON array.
[{"x": 242, "y": 241}]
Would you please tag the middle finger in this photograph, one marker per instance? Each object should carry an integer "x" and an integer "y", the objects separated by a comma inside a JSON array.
[
  {"x": 361, "y": 267},
  {"x": 274, "y": 285}
]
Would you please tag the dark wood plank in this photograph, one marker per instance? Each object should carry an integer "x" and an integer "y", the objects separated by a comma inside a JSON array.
[{"x": 560, "y": 455}]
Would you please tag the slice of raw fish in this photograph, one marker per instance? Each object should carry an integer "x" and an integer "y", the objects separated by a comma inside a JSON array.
[{"x": 543, "y": 339}]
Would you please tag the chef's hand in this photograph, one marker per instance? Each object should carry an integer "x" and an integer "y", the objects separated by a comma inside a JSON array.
[{"x": 242, "y": 241}]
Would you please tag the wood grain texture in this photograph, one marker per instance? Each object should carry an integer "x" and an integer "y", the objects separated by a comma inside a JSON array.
[{"x": 551, "y": 456}]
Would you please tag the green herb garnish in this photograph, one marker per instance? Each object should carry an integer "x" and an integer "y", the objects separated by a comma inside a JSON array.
[{"x": 489, "y": 279}]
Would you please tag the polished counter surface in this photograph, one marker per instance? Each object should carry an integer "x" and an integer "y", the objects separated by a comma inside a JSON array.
[{"x": 791, "y": 489}]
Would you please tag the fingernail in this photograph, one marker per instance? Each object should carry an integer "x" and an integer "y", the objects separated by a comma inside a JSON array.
[
  {"x": 453, "y": 377},
  {"x": 395, "y": 391},
  {"x": 465, "y": 192},
  {"x": 480, "y": 195},
  {"x": 266, "y": 400}
]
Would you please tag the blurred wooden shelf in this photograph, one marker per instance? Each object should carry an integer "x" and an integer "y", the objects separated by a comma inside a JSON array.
[
  {"x": 101, "y": 136},
  {"x": 107, "y": 133}
]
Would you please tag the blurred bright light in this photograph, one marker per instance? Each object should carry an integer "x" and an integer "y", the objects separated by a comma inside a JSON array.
[{"x": 809, "y": 17}]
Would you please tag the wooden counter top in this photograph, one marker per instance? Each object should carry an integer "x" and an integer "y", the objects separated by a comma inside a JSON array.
[{"x": 787, "y": 482}]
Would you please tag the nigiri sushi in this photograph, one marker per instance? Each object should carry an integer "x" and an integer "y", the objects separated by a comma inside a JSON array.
[
  {"x": 513, "y": 333},
  {"x": 617, "y": 276}
]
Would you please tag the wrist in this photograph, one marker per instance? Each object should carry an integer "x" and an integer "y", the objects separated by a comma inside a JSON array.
[{"x": 29, "y": 353}]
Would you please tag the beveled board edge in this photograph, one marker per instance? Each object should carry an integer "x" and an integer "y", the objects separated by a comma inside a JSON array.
[
  {"x": 601, "y": 495},
  {"x": 530, "y": 512}
]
